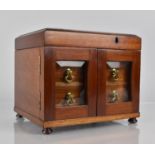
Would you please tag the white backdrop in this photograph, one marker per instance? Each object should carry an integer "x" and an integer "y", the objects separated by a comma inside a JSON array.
[{"x": 15, "y": 23}]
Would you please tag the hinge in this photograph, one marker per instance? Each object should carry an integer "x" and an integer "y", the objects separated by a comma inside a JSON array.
[
  {"x": 39, "y": 64},
  {"x": 40, "y": 100},
  {"x": 39, "y": 57}
]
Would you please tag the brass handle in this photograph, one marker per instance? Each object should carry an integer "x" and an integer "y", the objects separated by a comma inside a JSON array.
[
  {"x": 68, "y": 75},
  {"x": 69, "y": 98},
  {"x": 114, "y": 74},
  {"x": 114, "y": 96}
]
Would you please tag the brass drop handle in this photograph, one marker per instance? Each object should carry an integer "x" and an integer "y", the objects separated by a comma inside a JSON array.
[
  {"x": 114, "y": 74},
  {"x": 68, "y": 75},
  {"x": 114, "y": 96},
  {"x": 69, "y": 98}
]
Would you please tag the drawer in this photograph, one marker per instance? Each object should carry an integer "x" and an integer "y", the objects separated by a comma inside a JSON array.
[
  {"x": 70, "y": 92},
  {"x": 118, "y": 81},
  {"x": 118, "y": 94},
  {"x": 118, "y": 72},
  {"x": 76, "y": 73}
]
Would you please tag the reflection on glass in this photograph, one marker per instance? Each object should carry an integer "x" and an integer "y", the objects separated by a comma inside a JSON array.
[
  {"x": 70, "y": 63},
  {"x": 71, "y": 83},
  {"x": 118, "y": 82}
]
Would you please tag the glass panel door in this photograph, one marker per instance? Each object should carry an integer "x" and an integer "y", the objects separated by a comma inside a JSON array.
[{"x": 118, "y": 82}]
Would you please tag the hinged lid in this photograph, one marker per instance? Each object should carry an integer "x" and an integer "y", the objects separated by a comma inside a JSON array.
[{"x": 74, "y": 38}]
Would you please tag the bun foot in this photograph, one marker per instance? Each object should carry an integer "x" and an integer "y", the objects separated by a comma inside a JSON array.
[
  {"x": 132, "y": 120},
  {"x": 47, "y": 131},
  {"x": 19, "y": 116}
]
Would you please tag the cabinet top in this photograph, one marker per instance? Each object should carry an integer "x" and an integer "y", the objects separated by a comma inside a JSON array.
[{"x": 76, "y": 38}]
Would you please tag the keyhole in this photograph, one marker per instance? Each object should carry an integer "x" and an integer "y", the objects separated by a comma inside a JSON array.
[{"x": 116, "y": 40}]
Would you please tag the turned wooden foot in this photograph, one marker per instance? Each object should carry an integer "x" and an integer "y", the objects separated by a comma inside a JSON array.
[
  {"x": 132, "y": 120},
  {"x": 47, "y": 131},
  {"x": 19, "y": 116}
]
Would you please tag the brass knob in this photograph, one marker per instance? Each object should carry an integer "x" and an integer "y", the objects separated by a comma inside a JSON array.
[
  {"x": 69, "y": 98},
  {"x": 68, "y": 75},
  {"x": 114, "y": 74},
  {"x": 114, "y": 96}
]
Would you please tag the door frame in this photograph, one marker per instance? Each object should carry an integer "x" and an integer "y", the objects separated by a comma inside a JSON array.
[{"x": 53, "y": 54}]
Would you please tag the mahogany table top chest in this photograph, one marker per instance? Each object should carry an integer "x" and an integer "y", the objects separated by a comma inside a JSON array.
[{"x": 67, "y": 77}]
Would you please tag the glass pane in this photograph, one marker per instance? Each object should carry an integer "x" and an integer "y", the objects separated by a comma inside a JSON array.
[
  {"x": 71, "y": 83},
  {"x": 70, "y": 63},
  {"x": 118, "y": 77}
]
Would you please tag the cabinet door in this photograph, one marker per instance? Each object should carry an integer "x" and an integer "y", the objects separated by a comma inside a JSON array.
[
  {"x": 118, "y": 82},
  {"x": 70, "y": 82}
]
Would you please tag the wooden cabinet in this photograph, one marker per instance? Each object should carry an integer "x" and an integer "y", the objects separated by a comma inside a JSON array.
[
  {"x": 66, "y": 77},
  {"x": 73, "y": 85}
]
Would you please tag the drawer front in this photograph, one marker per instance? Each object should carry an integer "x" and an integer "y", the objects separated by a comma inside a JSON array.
[
  {"x": 117, "y": 93},
  {"x": 118, "y": 72},
  {"x": 70, "y": 77},
  {"x": 118, "y": 82}
]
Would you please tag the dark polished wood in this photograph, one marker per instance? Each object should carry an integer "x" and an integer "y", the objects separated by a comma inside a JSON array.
[{"x": 104, "y": 88}]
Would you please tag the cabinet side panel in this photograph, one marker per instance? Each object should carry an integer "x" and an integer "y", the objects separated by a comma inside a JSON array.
[{"x": 27, "y": 81}]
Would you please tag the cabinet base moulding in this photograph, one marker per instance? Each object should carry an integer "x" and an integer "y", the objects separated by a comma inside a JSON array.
[{"x": 77, "y": 121}]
